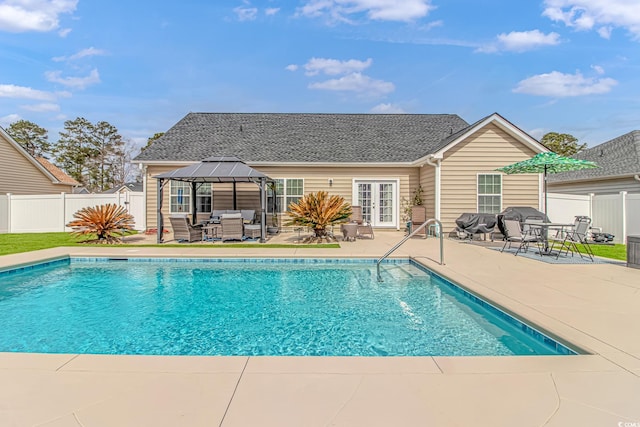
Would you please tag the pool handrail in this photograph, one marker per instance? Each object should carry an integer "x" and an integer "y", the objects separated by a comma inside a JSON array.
[{"x": 413, "y": 233}]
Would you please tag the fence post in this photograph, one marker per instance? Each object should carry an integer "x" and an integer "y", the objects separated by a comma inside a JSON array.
[
  {"x": 623, "y": 200},
  {"x": 63, "y": 198},
  {"x": 8, "y": 212}
]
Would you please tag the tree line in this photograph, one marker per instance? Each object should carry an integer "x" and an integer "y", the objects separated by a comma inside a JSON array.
[{"x": 94, "y": 154}]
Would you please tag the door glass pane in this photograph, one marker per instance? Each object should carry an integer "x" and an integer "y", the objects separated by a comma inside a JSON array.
[
  {"x": 364, "y": 198},
  {"x": 385, "y": 210}
]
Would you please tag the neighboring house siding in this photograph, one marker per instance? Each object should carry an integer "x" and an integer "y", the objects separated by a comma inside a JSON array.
[
  {"x": 315, "y": 179},
  {"x": 483, "y": 152},
  {"x": 19, "y": 176},
  {"x": 597, "y": 186}
]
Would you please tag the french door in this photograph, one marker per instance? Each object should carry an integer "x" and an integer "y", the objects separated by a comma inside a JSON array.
[{"x": 378, "y": 201}]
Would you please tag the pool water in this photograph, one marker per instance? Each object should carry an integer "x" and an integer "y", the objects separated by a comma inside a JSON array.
[{"x": 251, "y": 308}]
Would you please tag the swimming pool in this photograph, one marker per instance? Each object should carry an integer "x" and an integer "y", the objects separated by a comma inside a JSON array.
[{"x": 300, "y": 307}]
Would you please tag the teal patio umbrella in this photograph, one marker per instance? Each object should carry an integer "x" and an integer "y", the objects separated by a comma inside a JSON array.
[{"x": 547, "y": 163}]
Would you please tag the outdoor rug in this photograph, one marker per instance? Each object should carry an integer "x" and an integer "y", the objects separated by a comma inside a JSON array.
[{"x": 563, "y": 259}]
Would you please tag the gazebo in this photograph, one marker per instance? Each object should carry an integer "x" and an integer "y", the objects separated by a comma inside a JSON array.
[{"x": 217, "y": 169}]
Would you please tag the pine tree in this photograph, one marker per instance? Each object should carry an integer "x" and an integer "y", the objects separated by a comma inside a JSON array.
[{"x": 31, "y": 137}]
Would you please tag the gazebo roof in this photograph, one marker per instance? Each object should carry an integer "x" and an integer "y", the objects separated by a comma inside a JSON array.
[{"x": 215, "y": 169}]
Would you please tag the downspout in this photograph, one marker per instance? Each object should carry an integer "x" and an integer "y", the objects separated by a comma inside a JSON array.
[{"x": 434, "y": 161}]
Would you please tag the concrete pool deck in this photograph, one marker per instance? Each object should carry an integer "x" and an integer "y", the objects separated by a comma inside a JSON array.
[{"x": 595, "y": 307}]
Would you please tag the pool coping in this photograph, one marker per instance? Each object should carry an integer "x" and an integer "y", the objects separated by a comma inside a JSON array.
[{"x": 611, "y": 368}]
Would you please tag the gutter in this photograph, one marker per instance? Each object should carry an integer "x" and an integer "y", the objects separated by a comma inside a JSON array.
[{"x": 434, "y": 161}]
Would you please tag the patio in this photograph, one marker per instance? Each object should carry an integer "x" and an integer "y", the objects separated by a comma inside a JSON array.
[{"x": 592, "y": 306}]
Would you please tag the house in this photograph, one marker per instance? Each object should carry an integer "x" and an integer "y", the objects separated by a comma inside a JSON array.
[
  {"x": 127, "y": 187},
  {"x": 21, "y": 173},
  {"x": 373, "y": 160},
  {"x": 619, "y": 169}
]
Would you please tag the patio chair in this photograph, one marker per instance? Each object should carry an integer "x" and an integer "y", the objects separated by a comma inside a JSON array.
[
  {"x": 232, "y": 227},
  {"x": 364, "y": 228},
  {"x": 577, "y": 235},
  {"x": 514, "y": 234},
  {"x": 183, "y": 231}
]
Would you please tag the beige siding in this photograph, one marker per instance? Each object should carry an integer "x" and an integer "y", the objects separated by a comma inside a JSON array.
[
  {"x": 19, "y": 176},
  {"x": 428, "y": 183},
  {"x": 483, "y": 152},
  {"x": 315, "y": 179},
  {"x": 597, "y": 186}
]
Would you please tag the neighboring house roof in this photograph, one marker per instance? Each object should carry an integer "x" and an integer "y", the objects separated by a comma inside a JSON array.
[
  {"x": 298, "y": 137},
  {"x": 130, "y": 186},
  {"x": 616, "y": 158},
  {"x": 54, "y": 179},
  {"x": 58, "y": 173}
]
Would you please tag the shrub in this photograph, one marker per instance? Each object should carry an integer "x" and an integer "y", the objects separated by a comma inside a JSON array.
[
  {"x": 319, "y": 211},
  {"x": 106, "y": 222}
]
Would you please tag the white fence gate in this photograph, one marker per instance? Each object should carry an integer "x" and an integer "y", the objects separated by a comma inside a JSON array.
[
  {"x": 51, "y": 212},
  {"x": 617, "y": 214}
]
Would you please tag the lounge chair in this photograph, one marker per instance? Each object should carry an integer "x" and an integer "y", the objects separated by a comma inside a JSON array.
[
  {"x": 577, "y": 235},
  {"x": 232, "y": 228},
  {"x": 514, "y": 234},
  {"x": 183, "y": 231},
  {"x": 364, "y": 228}
]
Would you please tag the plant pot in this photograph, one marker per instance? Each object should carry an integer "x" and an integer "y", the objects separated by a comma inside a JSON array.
[{"x": 273, "y": 230}]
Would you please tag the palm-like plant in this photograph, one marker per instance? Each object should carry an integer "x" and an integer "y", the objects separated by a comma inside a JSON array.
[
  {"x": 318, "y": 211},
  {"x": 107, "y": 222}
]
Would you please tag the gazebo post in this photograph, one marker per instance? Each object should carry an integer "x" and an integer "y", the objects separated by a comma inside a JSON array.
[
  {"x": 194, "y": 215},
  {"x": 263, "y": 212},
  {"x": 160, "y": 221},
  {"x": 235, "y": 203}
]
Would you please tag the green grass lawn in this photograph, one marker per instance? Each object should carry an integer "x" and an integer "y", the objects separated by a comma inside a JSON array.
[
  {"x": 25, "y": 242},
  {"x": 616, "y": 251}
]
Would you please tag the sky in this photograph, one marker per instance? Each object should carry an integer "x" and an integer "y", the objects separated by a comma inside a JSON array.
[{"x": 567, "y": 66}]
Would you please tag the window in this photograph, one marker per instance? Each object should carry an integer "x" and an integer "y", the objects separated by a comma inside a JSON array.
[
  {"x": 489, "y": 193},
  {"x": 288, "y": 190},
  {"x": 203, "y": 198},
  {"x": 180, "y": 198}
]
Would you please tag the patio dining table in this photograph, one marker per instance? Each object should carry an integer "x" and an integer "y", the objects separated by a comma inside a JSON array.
[{"x": 544, "y": 231}]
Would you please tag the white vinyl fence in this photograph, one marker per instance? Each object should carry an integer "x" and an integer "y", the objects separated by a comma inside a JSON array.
[
  {"x": 51, "y": 212},
  {"x": 617, "y": 214}
]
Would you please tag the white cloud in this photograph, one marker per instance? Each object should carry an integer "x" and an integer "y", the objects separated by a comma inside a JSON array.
[
  {"x": 64, "y": 32},
  {"x": 603, "y": 15},
  {"x": 22, "y": 92},
  {"x": 356, "y": 82},
  {"x": 5, "y": 121},
  {"x": 560, "y": 85},
  {"x": 41, "y": 108},
  {"x": 73, "y": 82},
  {"x": 246, "y": 13},
  {"x": 271, "y": 11},
  {"x": 520, "y": 41},
  {"x": 381, "y": 10},
  {"x": 33, "y": 15},
  {"x": 598, "y": 69},
  {"x": 90, "y": 51},
  {"x": 335, "y": 67},
  {"x": 387, "y": 109},
  {"x": 291, "y": 67}
]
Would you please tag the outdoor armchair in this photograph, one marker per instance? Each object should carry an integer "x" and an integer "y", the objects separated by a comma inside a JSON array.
[
  {"x": 183, "y": 231},
  {"x": 513, "y": 233}
]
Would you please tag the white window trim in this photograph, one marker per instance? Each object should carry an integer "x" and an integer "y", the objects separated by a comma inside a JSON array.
[
  {"x": 285, "y": 195},
  {"x": 171, "y": 211},
  {"x": 478, "y": 189}
]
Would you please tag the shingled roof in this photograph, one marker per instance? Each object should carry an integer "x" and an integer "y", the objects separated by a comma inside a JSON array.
[
  {"x": 616, "y": 158},
  {"x": 314, "y": 138}
]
